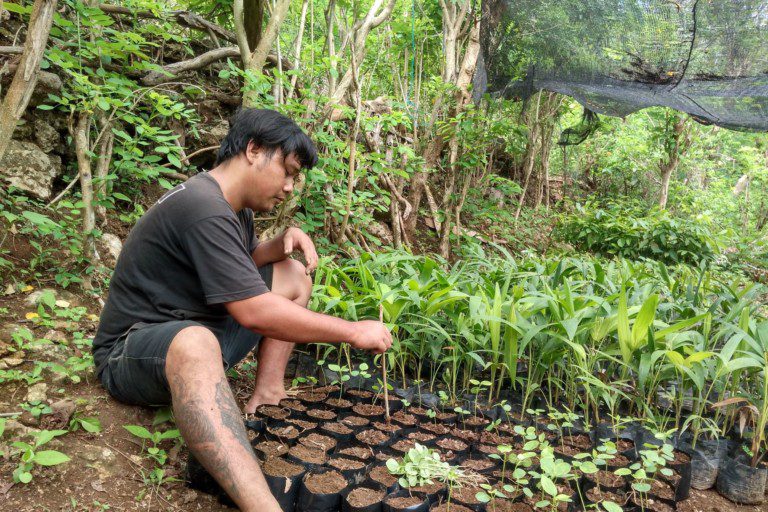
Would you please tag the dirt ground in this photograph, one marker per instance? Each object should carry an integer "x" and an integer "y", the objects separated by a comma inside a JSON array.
[{"x": 108, "y": 470}]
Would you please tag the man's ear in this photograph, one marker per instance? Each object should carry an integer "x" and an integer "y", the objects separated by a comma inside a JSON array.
[{"x": 252, "y": 152}]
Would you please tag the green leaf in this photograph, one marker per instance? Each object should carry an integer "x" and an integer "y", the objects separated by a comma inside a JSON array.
[
  {"x": 641, "y": 486},
  {"x": 25, "y": 477},
  {"x": 610, "y": 506},
  {"x": 50, "y": 458},
  {"x": 174, "y": 160},
  {"x": 92, "y": 425},
  {"x": 138, "y": 431},
  {"x": 548, "y": 486}
]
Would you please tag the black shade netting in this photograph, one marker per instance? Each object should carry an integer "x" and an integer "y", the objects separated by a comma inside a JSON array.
[{"x": 708, "y": 58}]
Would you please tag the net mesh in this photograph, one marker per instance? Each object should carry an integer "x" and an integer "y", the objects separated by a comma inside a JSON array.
[{"x": 708, "y": 58}]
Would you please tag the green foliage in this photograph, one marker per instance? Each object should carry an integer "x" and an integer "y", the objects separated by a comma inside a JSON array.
[
  {"x": 31, "y": 456},
  {"x": 421, "y": 466},
  {"x": 615, "y": 231}
]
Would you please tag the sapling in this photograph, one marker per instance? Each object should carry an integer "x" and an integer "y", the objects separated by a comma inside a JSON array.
[
  {"x": 653, "y": 460},
  {"x": 30, "y": 455},
  {"x": 421, "y": 465},
  {"x": 550, "y": 471}
]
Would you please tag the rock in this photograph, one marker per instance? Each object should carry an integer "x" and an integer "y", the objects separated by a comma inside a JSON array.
[
  {"x": 14, "y": 428},
  {"x": 64, "y": 408},
  {"x": 46, "y": 136},
  {"x": 37, "y": 392},
  {"x": 382, "y": 231},
  {"x": 7, "y": 331},
  {"x": 33, "y": 299},
  {"x": 214, "y": 135},
  {"x": 101, "y": 459},
  {"x": 112, "y": 245},
  {"x": 10, "y": 362},
  {"x": 188, "y": 497},
  {"x": 29, "y": 168},
  {"x": 56, "y": 336},
  {"x": 45, "y": 350}
]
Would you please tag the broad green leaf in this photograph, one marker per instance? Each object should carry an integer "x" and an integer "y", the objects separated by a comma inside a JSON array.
[
  {"x": 138, "y": 431},
  {"x": 50, "y": 458}
]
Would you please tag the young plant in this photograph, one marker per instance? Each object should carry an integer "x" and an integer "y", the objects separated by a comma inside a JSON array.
[
  {"x": 31, "y": 456},
  {"x": 421, "y": 466}
]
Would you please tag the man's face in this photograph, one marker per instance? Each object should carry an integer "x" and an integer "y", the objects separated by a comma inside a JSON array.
[{"x": 272, "y": 179}]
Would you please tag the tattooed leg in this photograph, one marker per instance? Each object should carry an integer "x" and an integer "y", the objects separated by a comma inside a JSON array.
[
  {"x": 210, "y": 421},
  {"x": 291, "y": 281}
]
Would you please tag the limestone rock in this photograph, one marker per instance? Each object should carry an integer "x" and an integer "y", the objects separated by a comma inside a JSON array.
[
  {"x": 112, "y": 245},
  {"x": 215, "y": 134},
  {"x": 33, "y": 299},
  {"x": 37, "y": 392},
  {"x": 29, "y": 168},
  {"x": 46, "y": 136},
  {"x": 101, "y": 459},
  {"x": 381, "y": 231}
]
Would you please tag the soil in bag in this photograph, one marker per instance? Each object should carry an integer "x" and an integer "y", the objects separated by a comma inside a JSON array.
[
  {"x": 449, "y": 507},
  {"x": 321, "y": 491},
  {"x": 404, "y": 501},
  {"x": 467, "y": 496},
  {"x": 363, "y": 499},
  {"x": 269, "y": 449},
  {"x": 356, "y": 452},
  {"x": 741, "y": 483},
  {"x": 381, "y": 477},
  {"x": 681, "y": 480},
  {"x": 350, "y": 468},
  {"x": 310, "y": 457},
  {"x": 315, "y": 440},
  {"x": 283, "y": 479},
  {"x": 705, "y": 461}
]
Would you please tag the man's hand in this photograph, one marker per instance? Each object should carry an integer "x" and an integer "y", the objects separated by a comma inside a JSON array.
[
  {"x": 295, "y": 239},
  {"x": 371, "y": 335}
]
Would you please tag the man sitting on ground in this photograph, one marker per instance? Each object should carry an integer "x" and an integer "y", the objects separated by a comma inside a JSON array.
[{"x": 194, "y": 292}]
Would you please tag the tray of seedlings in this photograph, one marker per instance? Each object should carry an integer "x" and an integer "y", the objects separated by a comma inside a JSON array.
[{"x": 328, "y": 448}]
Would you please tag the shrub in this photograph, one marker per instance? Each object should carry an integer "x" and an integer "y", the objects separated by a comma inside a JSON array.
[{"x": 616, "y": 230}]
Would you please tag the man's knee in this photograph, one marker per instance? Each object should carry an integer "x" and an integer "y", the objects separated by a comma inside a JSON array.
[
  {"x": 301, "y": 282},
  {"x": 194, "y": 346}
]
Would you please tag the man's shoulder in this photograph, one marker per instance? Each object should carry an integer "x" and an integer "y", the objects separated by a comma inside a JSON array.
[{"x": 197, "y": 198}]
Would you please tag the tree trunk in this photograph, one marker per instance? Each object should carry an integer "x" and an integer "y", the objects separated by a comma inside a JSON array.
[
  {"x": 81, "y": 135},
  {"x": 254, "y": 58},
  {"x": 376, "y": 16},
  {"x": 253, "y": 19},
  {"x": 676, "y": 143},
  {"x": 438, "y": 140},
  {"x": 102, "y": 170},
  {"x": 24, "y": 81},
  {"x": 297, "y": 49}
]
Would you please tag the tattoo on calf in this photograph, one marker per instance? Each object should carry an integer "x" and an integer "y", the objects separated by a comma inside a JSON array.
[
  {"x": 231, "y": 416},
  {"x": 200, "y": 431}
]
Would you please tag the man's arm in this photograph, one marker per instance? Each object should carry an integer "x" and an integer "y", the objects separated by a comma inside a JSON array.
[
  {"x": 280, "y": 247},
  {"x": 276, "y": 317}
]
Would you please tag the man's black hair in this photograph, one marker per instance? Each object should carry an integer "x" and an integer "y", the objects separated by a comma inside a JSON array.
[{"x": 270, "y": 131}]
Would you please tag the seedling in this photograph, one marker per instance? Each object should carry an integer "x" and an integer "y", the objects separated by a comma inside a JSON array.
[
  {"x": 420, "y": 466},
  {"x": 154, "y": 451},
  {"x": 30, "y": 455}
]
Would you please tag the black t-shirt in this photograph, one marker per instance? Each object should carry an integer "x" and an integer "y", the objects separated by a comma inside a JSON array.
[{"x": 186, "y": 257}]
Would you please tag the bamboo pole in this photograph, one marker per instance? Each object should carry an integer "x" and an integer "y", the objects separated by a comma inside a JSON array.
[{"x": 384, "y": 371}]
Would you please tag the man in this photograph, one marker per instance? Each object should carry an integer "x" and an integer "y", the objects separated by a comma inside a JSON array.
[{"x": 192, "y": 287}]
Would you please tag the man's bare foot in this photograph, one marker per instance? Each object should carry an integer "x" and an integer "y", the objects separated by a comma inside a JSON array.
[{"x": 265, "y": 397}]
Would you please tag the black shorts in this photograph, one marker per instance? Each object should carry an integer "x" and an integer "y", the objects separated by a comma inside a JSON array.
[{"x": 135, "y": 369}]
